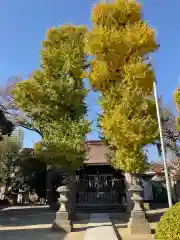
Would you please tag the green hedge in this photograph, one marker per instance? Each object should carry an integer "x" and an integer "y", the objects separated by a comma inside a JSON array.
[{"x": 169, "y": 226}]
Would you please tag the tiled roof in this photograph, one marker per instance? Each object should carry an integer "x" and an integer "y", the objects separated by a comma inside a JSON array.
[
  {"x": 157, "y": 168},
  {"x": 98, "y": 151}
]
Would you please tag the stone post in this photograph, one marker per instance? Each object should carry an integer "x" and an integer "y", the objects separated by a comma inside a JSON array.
[
  {"x": 63, "y": 216},
  {"x": 128, "y": 183},
  {"x": 138, "y": 223}
]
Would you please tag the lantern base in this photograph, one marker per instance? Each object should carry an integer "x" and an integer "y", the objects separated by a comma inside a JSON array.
[
  {"x": 138, "y": 223},
  {"x": 62, "y": 225},
  {"x": 62, "y": 222}
]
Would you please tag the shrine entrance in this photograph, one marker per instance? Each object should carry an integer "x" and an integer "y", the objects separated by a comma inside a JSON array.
[{"x": 100, "y": 189}]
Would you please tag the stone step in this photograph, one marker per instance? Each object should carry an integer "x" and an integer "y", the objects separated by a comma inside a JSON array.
[{"x": 100, "y": 208}]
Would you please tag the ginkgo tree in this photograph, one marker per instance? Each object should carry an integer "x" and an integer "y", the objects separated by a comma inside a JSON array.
[
  {"x": 53, "y": 97},
  {"x": 119, "y": 44},
  {"x": 177, "y": 102},
  {"x": 175, "y": 163}
]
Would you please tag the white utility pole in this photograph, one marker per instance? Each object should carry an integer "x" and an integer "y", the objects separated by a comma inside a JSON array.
[{"x": 168, "y": 185}]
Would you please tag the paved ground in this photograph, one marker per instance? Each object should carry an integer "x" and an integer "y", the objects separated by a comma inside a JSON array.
[
  {"x": 35, "y": 224},
  {"x": 32, "y": 223},
  {"x": 100, "y": 227},
  {"x": 124, "y": 235}
]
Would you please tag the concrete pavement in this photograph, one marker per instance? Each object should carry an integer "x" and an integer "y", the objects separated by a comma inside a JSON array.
[
  {"x": 100, "y": 227},
  {"x": 31, "y": 223},
  {"x": 35, "y": 223}
]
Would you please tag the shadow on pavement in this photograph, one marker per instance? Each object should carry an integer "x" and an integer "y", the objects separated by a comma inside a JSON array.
[
  {"x": 26, "y": 217},
  {"x": 32, "y": 234},
  {"x": 32, "y": 224},
  {"x": 154, "y": 216}
]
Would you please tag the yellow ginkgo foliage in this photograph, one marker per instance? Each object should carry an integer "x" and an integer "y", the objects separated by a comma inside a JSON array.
[{"x": 119, "y": 44}]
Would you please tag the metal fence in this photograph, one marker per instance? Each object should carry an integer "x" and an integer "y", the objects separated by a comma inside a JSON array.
[{"x": 100, "y": 189}]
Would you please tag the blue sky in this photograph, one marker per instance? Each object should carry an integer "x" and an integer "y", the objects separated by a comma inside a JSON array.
[{"x": 23, "y": 25}]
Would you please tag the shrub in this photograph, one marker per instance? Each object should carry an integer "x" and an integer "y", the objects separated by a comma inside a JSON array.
[{"x": 169, "y": 226}]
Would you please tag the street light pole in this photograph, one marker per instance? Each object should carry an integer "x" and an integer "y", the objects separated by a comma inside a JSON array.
[{"x": 168, "y": 185}]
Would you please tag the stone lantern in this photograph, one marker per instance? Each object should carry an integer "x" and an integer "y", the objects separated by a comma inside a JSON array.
[
  {"x": 138, "y": 223},
  {"x": 63, "y": 219}
]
